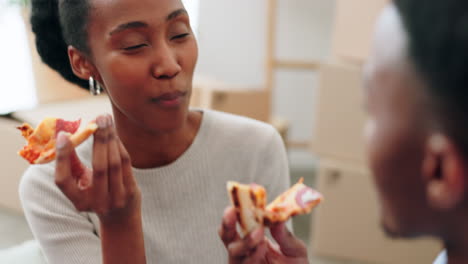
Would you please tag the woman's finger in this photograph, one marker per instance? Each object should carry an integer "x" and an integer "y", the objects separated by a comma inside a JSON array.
[
  {"x": 228, "y": 232},
  {"x": 258, "y": 254},
  {"x": 100, "y": 185},
  {"x": 244, "y": 247},
  {"x": 128, "y": 180},
  {"x": 116, "y": 188},
  {"x": 289, "y": 245},
  {"x": 63, "y": 172}
]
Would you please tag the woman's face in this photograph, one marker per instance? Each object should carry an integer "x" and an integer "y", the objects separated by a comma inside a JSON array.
[{"x": 145, "y": 53}]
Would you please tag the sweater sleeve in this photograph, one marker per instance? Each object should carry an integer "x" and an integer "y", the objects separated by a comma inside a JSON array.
[{"x": 64, "y": 234}]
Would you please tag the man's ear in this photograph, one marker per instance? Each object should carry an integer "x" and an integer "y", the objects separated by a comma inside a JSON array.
[
  {"x": 444, "y": 171},
  {"x": 81, "y": 65}
]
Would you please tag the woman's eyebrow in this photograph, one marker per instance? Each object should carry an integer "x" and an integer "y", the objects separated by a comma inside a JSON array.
[
  {"x": 129, "y": 25},
  {"x": 176, "y": 14},
  {"x": 140, "y": 24}
]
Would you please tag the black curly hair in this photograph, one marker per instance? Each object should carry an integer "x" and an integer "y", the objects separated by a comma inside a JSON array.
[
  {"x": 56, "y": 25},
  {"x": 438, "y": 47}
]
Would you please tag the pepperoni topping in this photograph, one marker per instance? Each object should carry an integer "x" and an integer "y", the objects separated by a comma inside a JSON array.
[
  {"x": 29, "y": 154},
  {"x": 67, "y": 126}
]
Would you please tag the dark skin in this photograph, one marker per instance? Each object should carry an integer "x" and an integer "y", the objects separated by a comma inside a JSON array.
[
  {"x": 419, "y": 170},
  {"x": 256, "y": 248},
  {"x": 139, "y": 62},
  {"x": 144, "y": 54}
]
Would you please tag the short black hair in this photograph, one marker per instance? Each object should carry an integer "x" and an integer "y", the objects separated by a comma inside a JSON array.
[
  {"x": 57, "y": 24},
  {"x": 438, "y": 48}
]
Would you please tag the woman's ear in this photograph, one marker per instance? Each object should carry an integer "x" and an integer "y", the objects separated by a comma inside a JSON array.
[
  {"x": 444, "y": 171},
  {"x": 81, "y": 65}
]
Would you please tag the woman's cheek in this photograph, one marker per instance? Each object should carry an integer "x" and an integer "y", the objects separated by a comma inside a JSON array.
[
  {"x": 124, "y": 70},
  {"x": 189, "y": 55}
]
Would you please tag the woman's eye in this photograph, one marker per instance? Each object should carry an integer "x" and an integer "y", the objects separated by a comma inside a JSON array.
[
  {"x": 134, "y": 47},
  {"x": 181, "y": 36}
]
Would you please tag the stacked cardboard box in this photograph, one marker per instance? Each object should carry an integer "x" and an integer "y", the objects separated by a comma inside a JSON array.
[
  {"x": 347, "y": 225},
  {"x": 253, "y": 102}
]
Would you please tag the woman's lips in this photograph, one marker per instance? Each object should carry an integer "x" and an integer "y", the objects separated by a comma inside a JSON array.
[{"x": 169, "y": 100}]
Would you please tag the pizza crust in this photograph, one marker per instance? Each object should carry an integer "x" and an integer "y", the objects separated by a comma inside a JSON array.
[
  {"x": 79, "y": 137},
  {"x": 249, "y": 202},
  {"x": 76, "y": 139}
]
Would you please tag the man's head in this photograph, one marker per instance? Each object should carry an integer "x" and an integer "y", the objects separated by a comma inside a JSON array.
[{"x": 416, "y": 86}]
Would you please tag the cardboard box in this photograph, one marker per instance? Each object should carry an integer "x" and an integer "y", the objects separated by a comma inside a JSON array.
[
  {"x": 340, "y": 117},
  {"x": 354, "y": 28},
  {"x": 250, "y": 102},
  {"x": 347, "y": 224}
]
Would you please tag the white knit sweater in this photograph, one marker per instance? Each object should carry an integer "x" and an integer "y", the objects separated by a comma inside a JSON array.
[{"x": 182, "y": 203}]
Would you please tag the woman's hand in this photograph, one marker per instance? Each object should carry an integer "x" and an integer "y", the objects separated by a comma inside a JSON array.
[
  {"x": 250, "y": 249},
  {"x": 107, "y": 189},
  {"x": 256, "y": 248}
]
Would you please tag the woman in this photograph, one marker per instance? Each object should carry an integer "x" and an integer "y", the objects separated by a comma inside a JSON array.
[{"x": 150, "y": 187}]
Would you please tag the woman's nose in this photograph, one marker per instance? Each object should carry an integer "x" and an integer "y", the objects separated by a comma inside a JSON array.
[{"x": 165, "y": 64}]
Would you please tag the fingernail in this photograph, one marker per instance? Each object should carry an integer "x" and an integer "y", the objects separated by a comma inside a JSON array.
[
  {"x": 101, "y": 121},
  {"x": 61, "y": 140}
]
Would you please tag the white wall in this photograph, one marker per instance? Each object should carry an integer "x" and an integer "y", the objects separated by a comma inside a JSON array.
[
  {"x": 17, "y": 89},
  {"x": 192, "y": 9},
  {"x": 232, "y": 39}
]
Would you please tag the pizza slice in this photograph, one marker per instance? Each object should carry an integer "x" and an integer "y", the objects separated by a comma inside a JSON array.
[
  {"x": 250, "y": 199},
  {"x": 299, "y": 199},
  {"x": 41, "y": 141}
]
